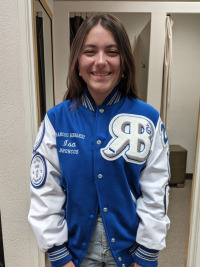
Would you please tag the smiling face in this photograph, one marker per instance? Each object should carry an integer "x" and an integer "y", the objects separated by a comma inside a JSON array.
[{"x": 99, "y": 63}]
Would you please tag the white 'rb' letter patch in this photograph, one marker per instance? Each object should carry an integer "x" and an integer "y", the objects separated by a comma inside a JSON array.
[{"x": 131, "y": 138}]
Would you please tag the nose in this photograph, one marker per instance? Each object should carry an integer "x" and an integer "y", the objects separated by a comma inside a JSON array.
[{"x": 100, "y": 61}]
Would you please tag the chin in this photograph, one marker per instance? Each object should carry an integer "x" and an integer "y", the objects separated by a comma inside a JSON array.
[{"x": 103, "y": 91}]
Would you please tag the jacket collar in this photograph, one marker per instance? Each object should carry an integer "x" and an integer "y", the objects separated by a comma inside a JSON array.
[{"x": 112, "y": 98}]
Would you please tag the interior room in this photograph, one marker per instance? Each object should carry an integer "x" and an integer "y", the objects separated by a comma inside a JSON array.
[
  {"x": 182, "y": 105},
  {"x": 44, "y": 64}
]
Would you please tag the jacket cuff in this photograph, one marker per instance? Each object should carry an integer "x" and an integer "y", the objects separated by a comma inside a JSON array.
[
  {"x": 59, "y": 255},
  {"x": 146, "y": 257}
]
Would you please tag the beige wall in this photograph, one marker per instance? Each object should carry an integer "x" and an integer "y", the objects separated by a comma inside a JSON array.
[
  {"x": 14, "y": 185},
  {"x": 185, "y": 84},
  {"x": 18, "y": 126}
]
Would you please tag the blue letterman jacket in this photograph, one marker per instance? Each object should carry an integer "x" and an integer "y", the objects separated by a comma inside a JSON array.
[{"x": 113, "y": 157}]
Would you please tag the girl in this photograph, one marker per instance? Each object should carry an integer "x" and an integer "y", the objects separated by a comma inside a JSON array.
[{"x": 99, "y": 173}]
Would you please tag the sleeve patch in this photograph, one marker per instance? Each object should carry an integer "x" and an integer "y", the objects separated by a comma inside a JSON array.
[
  {"x": 40, "y": 136},
  {"x": 163, "y": 134},
  {"x": 38, "y": 171}
]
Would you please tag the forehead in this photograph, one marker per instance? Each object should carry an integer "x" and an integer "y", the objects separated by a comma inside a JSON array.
[{"x": 99, "y": 35}]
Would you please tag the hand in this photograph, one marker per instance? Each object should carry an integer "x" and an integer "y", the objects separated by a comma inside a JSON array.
[
  {"x": 69, "y": 264},
  {"x": 137, "y": 265}
]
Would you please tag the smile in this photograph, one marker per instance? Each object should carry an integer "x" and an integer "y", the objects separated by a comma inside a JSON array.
[{"x": 102, "y": 74}]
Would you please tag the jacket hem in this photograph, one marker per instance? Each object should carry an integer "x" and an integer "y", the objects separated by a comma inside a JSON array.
[
  {"x": 59, "y": 255},
  {"x": 146, "y": 257}
]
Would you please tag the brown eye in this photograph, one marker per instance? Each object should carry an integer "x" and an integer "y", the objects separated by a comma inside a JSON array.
[
  {"x": 89, "y": 52},
  {"x": 113, "y": 52}
]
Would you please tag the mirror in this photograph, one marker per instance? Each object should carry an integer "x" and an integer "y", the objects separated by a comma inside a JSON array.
[
  {"x": 185, "y": 84},
  {"x": 44, "y": 58}
]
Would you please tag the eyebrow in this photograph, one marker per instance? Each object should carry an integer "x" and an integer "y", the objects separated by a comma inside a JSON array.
[{"x": 94, "y": 46}]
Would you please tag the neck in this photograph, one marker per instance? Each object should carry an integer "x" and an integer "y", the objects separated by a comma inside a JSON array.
[{"x": 99, "y": 97}]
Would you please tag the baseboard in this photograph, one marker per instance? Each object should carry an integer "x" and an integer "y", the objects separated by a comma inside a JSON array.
[{"x": 189, "y": 176}]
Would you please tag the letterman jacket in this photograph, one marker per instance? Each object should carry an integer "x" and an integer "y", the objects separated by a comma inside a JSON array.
[{"x": 112, "y": 157}]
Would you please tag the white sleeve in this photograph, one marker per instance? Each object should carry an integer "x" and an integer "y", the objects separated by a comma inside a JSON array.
[
  {"x": 153, "y": 203},
  {"x": 47, "y": 214}
]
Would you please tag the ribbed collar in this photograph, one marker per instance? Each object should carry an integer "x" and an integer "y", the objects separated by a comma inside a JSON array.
[{"x": 112, "y": 98}]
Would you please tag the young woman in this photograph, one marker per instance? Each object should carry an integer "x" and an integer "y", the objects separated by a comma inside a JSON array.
[{"x": 99, "y": 173}]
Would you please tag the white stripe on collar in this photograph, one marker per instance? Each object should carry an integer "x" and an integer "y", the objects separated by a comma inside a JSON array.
[
  {"x": 115, "y": 98},
  {"x": 88, "y": 103}
]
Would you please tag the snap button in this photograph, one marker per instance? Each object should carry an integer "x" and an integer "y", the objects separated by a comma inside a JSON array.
[
  {"x": 101, "y": 110},
  {"x": 113, "y": 240},
  {"x": 98, "y": 142},
  {"x": 91, "y": 216},
  {"x": 119, "y": 259},
  {"x": 100, "y": 176},
  {"x": 123, "y": 265},
  {"x": 105, "y": 209}
]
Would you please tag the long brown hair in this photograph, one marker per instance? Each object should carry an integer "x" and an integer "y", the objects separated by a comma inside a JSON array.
[{"x": 75, "y": 83}]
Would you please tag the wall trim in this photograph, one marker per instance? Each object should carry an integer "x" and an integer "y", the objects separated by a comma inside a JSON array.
[
  {"x": 25, "y": 16},
  {"x": 192, "y": 254},
  {"x": 131, "y": 6}
]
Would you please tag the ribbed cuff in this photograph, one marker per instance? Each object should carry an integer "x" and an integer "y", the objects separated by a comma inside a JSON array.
[
  {"x": 59, "y": 255},
  {"x": 146, "y": 257}
]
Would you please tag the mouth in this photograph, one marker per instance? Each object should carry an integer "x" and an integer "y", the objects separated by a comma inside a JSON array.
[{"x": 101, "y": 74}]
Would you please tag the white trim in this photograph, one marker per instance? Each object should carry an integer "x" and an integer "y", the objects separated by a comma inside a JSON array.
[
  {"x": 25, "y": 13},
  {"x": 194, "y": 231},
  {"x": 28, "y": 69},
  {"x": 130, "y": 6}
]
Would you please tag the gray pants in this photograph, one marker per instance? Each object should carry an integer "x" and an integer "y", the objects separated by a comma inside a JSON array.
[{"x": 99, "y": 253}]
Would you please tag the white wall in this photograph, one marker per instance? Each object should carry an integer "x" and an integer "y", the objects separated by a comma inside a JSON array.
[
  {"x": 14, "y": 187},
  {"x": 185, "y": 86},
  {"x": 19, "y": 125}
]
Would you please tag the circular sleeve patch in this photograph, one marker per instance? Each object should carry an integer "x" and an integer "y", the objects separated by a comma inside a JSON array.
[
  {"x": 40, "y": 136},
  {"x": 38, "y": 171}
]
